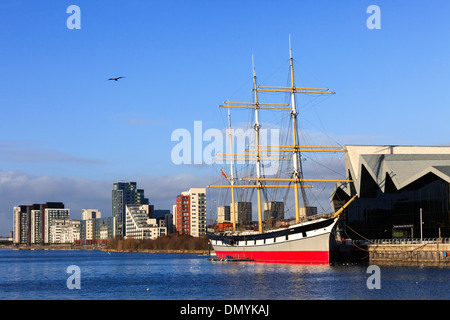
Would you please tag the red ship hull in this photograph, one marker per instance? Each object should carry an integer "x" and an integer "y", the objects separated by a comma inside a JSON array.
[
  {"x": 309, "y": 257},
  {"x": 309, "y": 243}
]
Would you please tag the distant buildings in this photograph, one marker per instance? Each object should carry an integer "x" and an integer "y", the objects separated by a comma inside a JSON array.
[
  {"x": 124, "y": 193},
  {"x": 243, "y": 212},
  {"x": 223, "y": 214},
  {"x": 40, "y": 223},
  {"x": 190, "y": 212},
  {"x": 182, "y": 214},
  {"x": 88, "y": 216},
  {"x": 64, "y": 231},
  {"x": 132, "y": 217},
  {"x": 95, "y": 230},
  {"x": 139, "y": 224}
]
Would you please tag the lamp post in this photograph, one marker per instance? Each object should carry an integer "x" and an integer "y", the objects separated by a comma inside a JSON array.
[{"x": 421, "y": 233}]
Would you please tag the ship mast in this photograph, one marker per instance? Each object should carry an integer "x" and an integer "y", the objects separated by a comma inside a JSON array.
[
  {"x": 258, "y": 159},
  {"x": 296, "y": 151},
  {"x": 296, "y": 148},
  {"x": 233, "y": 214},
  {"x": 256, "y": 105},
  {"x": 277, "y": 152}
]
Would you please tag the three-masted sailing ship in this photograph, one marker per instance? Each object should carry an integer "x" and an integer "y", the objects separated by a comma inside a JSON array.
[{"x": 300, "y": 242}]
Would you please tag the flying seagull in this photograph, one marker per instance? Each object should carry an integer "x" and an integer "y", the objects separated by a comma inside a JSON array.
[{"x": 115, "y": 79}]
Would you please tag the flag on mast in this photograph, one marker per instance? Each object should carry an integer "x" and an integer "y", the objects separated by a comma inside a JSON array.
[{"x": 223, "y": 173}]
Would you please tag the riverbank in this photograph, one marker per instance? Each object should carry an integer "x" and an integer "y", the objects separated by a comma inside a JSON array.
[
  {"x": 424, "y": 253},
  {"x": 169, "y": 243},
  {"x": 173, "y": 243},
  {"x": 105, "y": 249},
  {"x": 156, "y": 251}
]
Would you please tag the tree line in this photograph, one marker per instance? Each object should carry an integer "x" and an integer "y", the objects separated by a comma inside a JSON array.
[{"x": 164, "y": 243}]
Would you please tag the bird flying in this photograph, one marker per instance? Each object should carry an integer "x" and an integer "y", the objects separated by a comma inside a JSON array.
[{"x": 115, "y": 79}]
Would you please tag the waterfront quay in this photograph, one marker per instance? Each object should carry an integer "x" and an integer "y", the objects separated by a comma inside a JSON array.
[
  {"x": 377, "y": 251},
  {"x": 427, "y": 252},
  {"x": 403, "y": 251}
]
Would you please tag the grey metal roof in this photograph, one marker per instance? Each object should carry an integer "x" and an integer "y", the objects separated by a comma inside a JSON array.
[{"x": 403, "y": 164}]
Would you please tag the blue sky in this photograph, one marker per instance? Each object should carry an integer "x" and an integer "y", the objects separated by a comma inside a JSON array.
[{"x": 67, "y": 133}]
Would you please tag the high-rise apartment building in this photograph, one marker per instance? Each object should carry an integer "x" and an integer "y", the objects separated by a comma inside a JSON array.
[
  {"x": 95, "y": 230},
  {"x": 273, "y": 210},
  {"x": 51, "y": 216},
  {"x": 140, "y": 226},
  {"x": 191, "y": 212},
  {"x": 32, "y": 223},
  {"x": 64, "y": 231},
  {"x": 125, "y": 193},
  {"x": 223, "y": 214},
  {"x": 89, "y": 214},
  {"x": 183, "y": 216},
  {"x": 88, "y": 217},
  {"x": 243, "y": 211}
]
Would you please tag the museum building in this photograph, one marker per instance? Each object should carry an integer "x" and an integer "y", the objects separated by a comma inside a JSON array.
[{"x": 398, "y": 187}]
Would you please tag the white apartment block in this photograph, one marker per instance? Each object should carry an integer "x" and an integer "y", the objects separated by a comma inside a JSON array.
[
  {"x": 64, "y": 231},
  {"x": 197, "y": 211},
  {"x": 53, "y": 215},
  {"x": 89, "y": 215},
  {"x": 139, "y": 226}
]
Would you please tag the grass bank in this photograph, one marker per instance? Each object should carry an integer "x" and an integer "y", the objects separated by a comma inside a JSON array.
[{"x": 169, "y": 243}]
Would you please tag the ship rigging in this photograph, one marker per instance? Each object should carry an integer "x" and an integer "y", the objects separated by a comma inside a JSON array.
[{"x": 301, "y": 242}]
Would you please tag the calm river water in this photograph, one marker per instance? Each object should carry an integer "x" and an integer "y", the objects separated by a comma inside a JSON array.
[{"x": 97, "y": 275}]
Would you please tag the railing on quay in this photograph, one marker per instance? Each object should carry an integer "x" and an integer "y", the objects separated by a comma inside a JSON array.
[{"x": 400, "y": 241}]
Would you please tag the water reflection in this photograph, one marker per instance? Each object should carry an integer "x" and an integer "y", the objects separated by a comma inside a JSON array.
[{"x": 42, "y": 275}]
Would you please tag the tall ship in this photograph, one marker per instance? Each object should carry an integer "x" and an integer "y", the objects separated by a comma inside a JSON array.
[{"x": 305, "y": 241}]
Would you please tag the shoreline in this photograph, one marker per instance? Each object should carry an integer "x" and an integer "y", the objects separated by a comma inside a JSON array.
[
  {"x": 154, "y": 251},
  {"x": 103, "y": 249}
]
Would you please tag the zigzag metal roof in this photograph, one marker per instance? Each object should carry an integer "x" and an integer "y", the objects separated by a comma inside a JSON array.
[{"x": 403, "y": 164}]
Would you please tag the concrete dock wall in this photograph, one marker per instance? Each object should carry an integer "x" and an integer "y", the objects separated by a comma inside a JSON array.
[{"x": 433, "y": 253}]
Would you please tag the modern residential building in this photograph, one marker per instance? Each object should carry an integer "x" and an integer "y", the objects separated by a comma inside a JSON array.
[
  {"x": 21, "y": 222},
  {"x": 96, "y": 230},
  {"x": 104, "y": 230},
  {"x": 174, "y": 216},
  {"x": 64, "y": 231},
  {"x": 32, "y": 223},
  {"x": 88, "y": 217},
  {"x": 168, "y": 223},
  {"x": 198, "y": 211},
  {"x": 403, "y": 192},
  {"x": 306, "y": 212},
  {"x": 273, "y": 210},
  {"x": 51, "y": 216},
  {"x": 125, "y": 193},
  {"x": 138, "y": 224},
  {"x": 163, "y": 216},
  {"x": 191, "y": 212},
  {"x": 243, "y": 211},
  {"x": 88, "y": 214},
  {"x": 50, "y": 223},
  {"x": 223, "y": 214},
  {"x": 183, "y": 215}
]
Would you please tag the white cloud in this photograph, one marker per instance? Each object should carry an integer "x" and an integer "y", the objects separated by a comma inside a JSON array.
[
  {"x": 19, "y": 188},
  {"x": 30, "y": 152}
]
